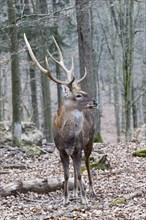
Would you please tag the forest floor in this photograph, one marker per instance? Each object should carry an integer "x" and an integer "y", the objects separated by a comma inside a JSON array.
[{"x": 121, "y": 191}]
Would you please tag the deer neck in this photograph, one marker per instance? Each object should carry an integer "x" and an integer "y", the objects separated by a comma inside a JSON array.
[{"x": 69, "y": 118}]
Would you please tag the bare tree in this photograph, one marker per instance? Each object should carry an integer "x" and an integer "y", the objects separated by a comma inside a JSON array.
[
  {"x": 125, "y": 31},
  {"x": 85, "y": 45},
  {"x": 45, "y": 83},
  {"x": 33, "y": 86},
  {"x": 15, "y": 73}
]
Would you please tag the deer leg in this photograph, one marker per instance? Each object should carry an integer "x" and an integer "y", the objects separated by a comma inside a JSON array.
[
  {"x": 75, "y": 190},
  {"x": 92, "y": 191},
  {"x": 65, "y": 163},
  {"x": 77, "y": 164}
]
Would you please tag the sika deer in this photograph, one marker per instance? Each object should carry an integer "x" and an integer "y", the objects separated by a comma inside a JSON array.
[{"x": 73, "y": 124}]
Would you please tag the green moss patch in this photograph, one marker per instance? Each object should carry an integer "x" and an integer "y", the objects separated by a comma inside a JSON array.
[{"x": 139, "y": 153}]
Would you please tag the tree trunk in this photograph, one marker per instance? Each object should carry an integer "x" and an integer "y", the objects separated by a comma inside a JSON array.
[
  {"x": 116, "y": 89},
  {"x": 34, "y": 103},
  {"x": 128, "y": 65},
  {"x": 33, "y": 86},
  {"x": 45, "y": 83},
  {"x": 85, "y": 46},
  {"x": 15, "y": 73},
  {"x": 1, "y": 96},
  {"x": 144, "y": 72},
  {"x": 59, "y": 91},
  {"x": 47, "y": 129},
  {"x": 134, "y": 108},
  {"x": 117, "y": 103},
  {"x": 96, "y": 60},
  {"x": 99, "y": 109}
]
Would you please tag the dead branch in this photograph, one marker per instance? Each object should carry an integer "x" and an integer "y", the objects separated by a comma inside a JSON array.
[
  {"x": 16, "y": 166},
  {"x": 4, "y": 172}
]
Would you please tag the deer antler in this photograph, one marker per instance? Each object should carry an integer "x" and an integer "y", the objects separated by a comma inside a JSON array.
[
  {"x": 46, "y": 71},
  {"x": 71, "y": 83},
  {"x": 70, "y": 74},
  {"x": 79, "y": 80}
]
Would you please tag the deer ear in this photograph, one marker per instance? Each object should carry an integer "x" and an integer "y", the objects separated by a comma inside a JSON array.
[{"x": 65, "y": 90}]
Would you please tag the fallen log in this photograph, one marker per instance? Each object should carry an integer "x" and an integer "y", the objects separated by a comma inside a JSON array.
[
  {"x": 35, "y": 185},
  {"x": 124, "y": 198},
  {"x": 4, "y": 172}
]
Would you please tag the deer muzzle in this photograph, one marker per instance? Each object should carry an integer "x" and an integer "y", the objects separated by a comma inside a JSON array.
[{"x": 93, "y": 104}]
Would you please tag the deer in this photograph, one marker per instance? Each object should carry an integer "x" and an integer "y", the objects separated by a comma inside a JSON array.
[{"x": 73, "y": 124}]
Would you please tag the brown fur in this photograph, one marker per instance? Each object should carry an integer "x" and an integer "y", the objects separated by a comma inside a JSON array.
[{"x": 73, "y": 131}]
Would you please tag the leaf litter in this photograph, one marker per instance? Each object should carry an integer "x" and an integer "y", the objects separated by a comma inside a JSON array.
[{"x": 121, "y": 191}]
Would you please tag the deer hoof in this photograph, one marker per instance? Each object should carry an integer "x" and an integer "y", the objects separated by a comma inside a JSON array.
[
  {"x": 66, "y": 201},
  {"x": 93, "y": 194},
  {"x": 84, "y": 201}
]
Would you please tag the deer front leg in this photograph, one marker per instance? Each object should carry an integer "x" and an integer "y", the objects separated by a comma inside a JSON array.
[
  {"x": 77, "y": 164},
  {"x": 75, "y": 190},
  {"x": 65, "y": 163}
]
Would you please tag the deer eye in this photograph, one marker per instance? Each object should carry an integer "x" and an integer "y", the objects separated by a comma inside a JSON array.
[{"x": 78, "y": 96}]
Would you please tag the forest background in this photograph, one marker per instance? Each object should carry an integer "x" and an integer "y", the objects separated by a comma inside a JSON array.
[{"x": 108, "y": 37}]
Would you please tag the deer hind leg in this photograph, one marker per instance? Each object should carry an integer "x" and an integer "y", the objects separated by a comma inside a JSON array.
[
  {"x": 65, "y": 163},
  {"x": 77, "y": 175},
  {"x": 92, "y": 191}
]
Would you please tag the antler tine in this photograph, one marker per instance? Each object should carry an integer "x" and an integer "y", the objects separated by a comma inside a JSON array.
[
  {"x": 72, "y": 67},
  {"x": 55, "y": 79},
  {"x": 79, "y": 80},
  {"x": 59, "y": 51},
  {"x": 46, "y": 71},
  {"x": 33, "y": 56},
  {"x": 69, "y": 73}
]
